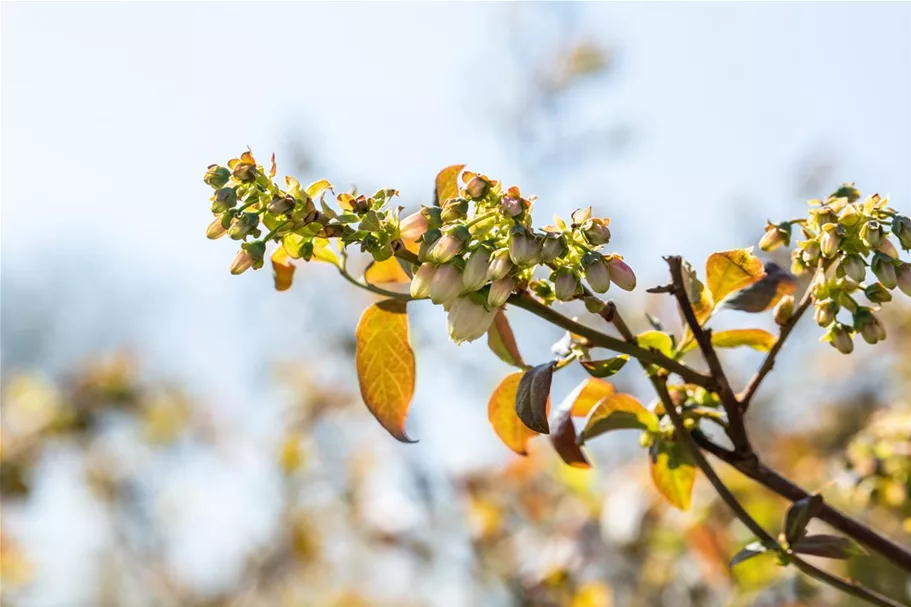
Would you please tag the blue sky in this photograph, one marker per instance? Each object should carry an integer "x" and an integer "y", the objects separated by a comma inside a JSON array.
[{"x": 111, "y": 112}]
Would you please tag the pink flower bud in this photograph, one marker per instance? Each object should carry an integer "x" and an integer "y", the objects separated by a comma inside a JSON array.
[
  {"x": 854, "y": 267},
  {"x": 511, "y": 206},
  {"x": 884, "y": 268},
  {"x": 872, "y": 233},
  {"x": 621, "y": 274},
  {"x": 901, "y": 227},
  {"x": 566, "y": 284},
  {"x": 829, "y": 241},
  {"x": 449, "y": 245},
  {"x": 500, "y": 265},
  {"x": 869, "y": 327},
  {"x": 903, "y": 278},
  {"x": 420, "y": 283},
  {"x": 775, "y": 236},
  {"x": 446, "y": 284},
  {"x": 784, "y": 310},
  {"x": 825, "y": 312},
  {"x": 524, "y": 248},
  {"x": 887, "y": 248},
  {"x": 475, "y": 275},
  {"x": 413, "y": 227},
  {"x": 216, "y": 229},
  {"x": 468, "y": 320},
  {"x": 500, "y": 291},
  {"x": 242, "y": 262},
  {"x": 598, "y": 275},
  {"x": 840, "y": 338},
  {"x": 554, "y": 246},
  {"x": 596, "y": 230}
]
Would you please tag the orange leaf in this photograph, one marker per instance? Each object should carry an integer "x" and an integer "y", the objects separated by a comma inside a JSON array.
[
  {"x": 379, "y": 272},
  {"x": 587, "y": 394},
  {"x": 282, "y": 269},
  {"x": 729, "y": 271},
  {"x": 502, "y": 342},
  {"x": 501, "y": 412},
  {"x": 385, "y": 364},
  {"x": 447, "y": 184}
]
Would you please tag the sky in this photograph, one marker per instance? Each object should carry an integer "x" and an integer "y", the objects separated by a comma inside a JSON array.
[{"x": 112, "y": 111}]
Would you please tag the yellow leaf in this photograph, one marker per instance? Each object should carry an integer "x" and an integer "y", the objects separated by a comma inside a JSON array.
[
  {"x": 501, "y": 412},
  {"x": 593, "y": 594},
  {"x": 447, "y": 183},
  {"x": 385, "y": 364},
  {"x": 618, "y": 412},
  {"x": 316, "y": 189},
  {"x": 699, "y": 296},
  {"x": 282, "y": 269},
  {"x": 323, "y": 252},
  {"x": 729, "y": 271},
  {"x": 656, "y": 340},
  {"x": 588, "y": 393},
  {"x": 672, "y": 472},
  {"x": 757, "y": 339},
  {"x": 380, "y": 272}
]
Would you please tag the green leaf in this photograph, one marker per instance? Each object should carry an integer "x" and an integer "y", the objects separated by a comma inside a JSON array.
[
  {"x": 447, "y": 184},
  {"x": 605, "y": 368},
  {"x": 758, "y": 339},
  {"x": 799, "y": 516},
  {"x": 672, "y": 472},
  {"x": 748, "y": 552},
  {"x": 502, "y": 342},
  {"x": 533, "y": 397},
  {"x": 826, "y": 546},
  {"x": 657, "y": 340},
  {"x": 618, "y": 412}
]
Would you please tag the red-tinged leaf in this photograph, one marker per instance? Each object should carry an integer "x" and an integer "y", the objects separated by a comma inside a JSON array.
[
  {"x": 533, "y": 396},
  {"x": 501, "y": 412},
  {"x": 588, "y": 394},
  {"x": 563, "y": 435},
  {"x": 618, "y": 412},
  {"x": 282, "y": 269},
  {"x": 447, "y": 184},
  {"x": 273, "y": 168},
  {"x": 605, "y": 368},
  {"x": 502, "y": 342},
  {"x": 672, "y": 472},
  {"x": 385, "y": 364},
  {"x": 730, "y": 271}
]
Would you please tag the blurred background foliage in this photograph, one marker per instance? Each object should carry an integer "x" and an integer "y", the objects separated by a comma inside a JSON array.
[{"x": 256, "y": 477}]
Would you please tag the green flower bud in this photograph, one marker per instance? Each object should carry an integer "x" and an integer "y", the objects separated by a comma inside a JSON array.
[
  {"x": 830, "y": 240},
  {"x": 851, "y": 215},
  {"x": 810, "y": 253},
  {"x": 877, "y": 293},
  {"x": 500, "y": 290},
  {"x": 784, "y": 310},
  {"x": 854, "y": 267},
  {"x": 281, "y": 205},
  {"x": 566, "y": 284},
  {"x": 901, "y": 227},
  {"x": 446, "y": 284},
  {"x": 884, "y": 268},
  {"x": 224, "y": 199},
  {"x": 304, "y": 213},
  {"x": 449, "y": 245},
  {"x": 554, "y": 246},
  {"x": 775, "y": 236},
  {"x": 596, "y": 272},
  {"x": 621, "y": 274},
  {"x": 420, "y": 283},
  {"x": 414, "y": 226},
  {"x": 887, "y": 248},
  {"x": 477, "y": 188},
  {"x": 511, "y": 206},
  {"x": 454, "y": 210},
  {"x": 840, "y": 337},
  {"x": 596, "y": 230},
  {"x": 243, "y": 226},
  {"x": 524, "y": 248},
  {"x": 468, "y": 320},
  {"x": 475, "y": 274},
  {"x": 825, "y": 312},
  {"x": 798, "y": 265},
  {"x": 872, "y": 233},
  {"x": 869, "y": 327},
  {"x": 217, "y": 176},
  {"x": 904, "y": 278},
  {"x": 244, "y": 172},
  {"x": 216, "y": 229},
  {"x": 824, "y": 216},
  {"x": 500, "y": 265},
  {"x": 429, "y": 238}
]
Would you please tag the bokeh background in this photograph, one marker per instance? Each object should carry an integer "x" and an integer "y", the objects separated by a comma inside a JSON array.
[{"x": 173, "y": 435}]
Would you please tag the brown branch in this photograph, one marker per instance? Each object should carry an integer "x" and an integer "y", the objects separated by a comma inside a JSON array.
[{"x": 736, "y": 429}]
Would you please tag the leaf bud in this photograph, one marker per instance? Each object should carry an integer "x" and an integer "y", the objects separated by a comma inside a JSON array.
[
  {"x": 825, "y": 312},
  {"x": 450, "y": 244},
  {"x": 566, "y": 284},
  {"x": 884, "y": 268},
  {"x": 414, "y": 226},
  {"x": 554, "y": 246},
  {"x": 596, "y": 230},
  {"x": 903, "y": 278},
  {"x": 217, "y": 176},
  {"x": 420, "y": 283},
  {"x": 596, "y": 272},
  {"x": 775, "y": 236},
  {"x": 477, "y": 187},
  {"x": 500, "y": 265},
  {"x": 901, "y": 227},
  {"x": 872, "y": 233},
  {"x": 446, "y": 284},
  {"x": 475, "y": 274},
  {"x": 468, "y": 320},
  {"x": 877, "y": 293},
  {"x": 224, "y": 199},
  {"x": 500, "y": 290},
  {"x": 524, "y": 248},
  {"x": 840, "y": 337},
  {"x": 621, "y": 274},
  {"x": 854, "y": 267},
  {"x": 784, "y": 310}
]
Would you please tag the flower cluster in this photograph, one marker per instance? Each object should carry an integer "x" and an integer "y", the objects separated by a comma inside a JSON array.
[
  {"x": 846, "y": 237},
  {"x": 480, "y": 247},
  {"x": 475, "y": 249}
]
